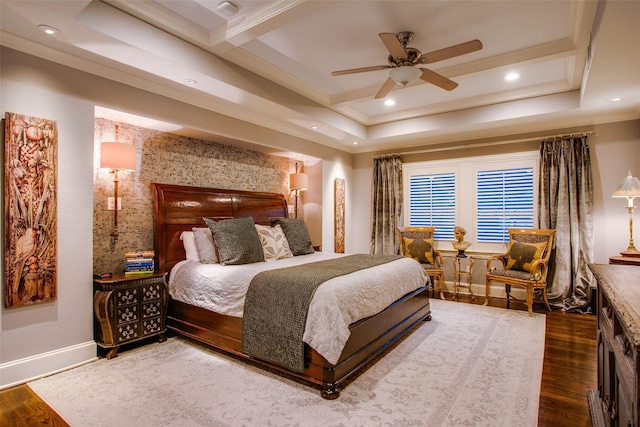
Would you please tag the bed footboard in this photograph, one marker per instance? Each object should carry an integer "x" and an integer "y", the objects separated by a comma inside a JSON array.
[{"x": 369, "y": 338}]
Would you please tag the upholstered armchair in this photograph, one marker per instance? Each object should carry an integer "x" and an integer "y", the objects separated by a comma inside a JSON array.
[
  {"x": 525, "y": 264},
  {"x": 417, "y": 243}
]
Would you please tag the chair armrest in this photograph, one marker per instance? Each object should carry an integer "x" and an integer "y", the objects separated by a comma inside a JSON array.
[
  {"x": 500, "y": 257},
  {"x": 539, "y": 269},
  {"x": 437, "y": 257}
]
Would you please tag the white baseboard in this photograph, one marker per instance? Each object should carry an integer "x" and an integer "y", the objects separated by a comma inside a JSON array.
[
  {"x": 497, "y": 291},
  {"x": 45, "y": 364}
]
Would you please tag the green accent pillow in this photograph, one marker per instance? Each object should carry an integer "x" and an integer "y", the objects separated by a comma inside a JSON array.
[
  {"x": 236, "y": 240},
  {"x": 419, "y": 249},
  {"x": 523, "y": 255},
  {"x": 296, "y": 233}
]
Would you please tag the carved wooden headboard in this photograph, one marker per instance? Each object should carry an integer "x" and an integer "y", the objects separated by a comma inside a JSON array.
[{"x": 179, "y": 208}]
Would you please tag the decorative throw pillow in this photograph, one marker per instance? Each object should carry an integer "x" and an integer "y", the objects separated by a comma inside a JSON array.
[
  {"x": 274, "y": 243},
  {"x": 205, "y": 246},
  {"x": 297, "y": 235},
  {"x": 419, "y": 249},
  {"x": 522, "y": 255},
  {"x": 189, "y": 244},
  {"x": 237, "y": 241}
]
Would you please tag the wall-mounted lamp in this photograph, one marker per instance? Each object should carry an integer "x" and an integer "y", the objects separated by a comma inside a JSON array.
[
  {"x": 298, "y": 182},
  {"x": 117, "y": 156},
  {"x": 630, "y": 188}
]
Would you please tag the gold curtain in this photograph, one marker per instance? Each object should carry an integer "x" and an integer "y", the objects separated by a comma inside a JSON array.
[{"x": 386, "y": 204}]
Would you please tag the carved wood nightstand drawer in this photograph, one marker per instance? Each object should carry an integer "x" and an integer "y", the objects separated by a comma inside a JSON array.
[
  {"x": 151, "y": 309},
  {"x": 127, "y": 332},
  {"x": 152, "y": 326},
  {"x": 129, "y": 308},
  {"x": 152, "y": 292},
  {"x": 126, "y": 297}
]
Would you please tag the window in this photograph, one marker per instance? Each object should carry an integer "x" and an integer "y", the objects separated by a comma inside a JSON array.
[{"x": 485, "y": 195}]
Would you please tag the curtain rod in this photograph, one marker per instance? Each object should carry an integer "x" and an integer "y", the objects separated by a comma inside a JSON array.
[
  {"x": 385, "y": 156},
  {"x": 493, "y": 143}
]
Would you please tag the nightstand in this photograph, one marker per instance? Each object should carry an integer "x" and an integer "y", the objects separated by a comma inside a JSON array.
[
  {"x": 462, "y": 268},
  {"x": 129, "y": 308}
]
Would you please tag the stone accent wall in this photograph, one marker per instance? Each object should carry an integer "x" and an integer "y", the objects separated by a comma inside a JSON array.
[{"x": 170, "y": 159}]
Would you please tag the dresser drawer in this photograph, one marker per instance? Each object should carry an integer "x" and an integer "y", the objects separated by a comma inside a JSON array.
[
  {"x": 127, "y": 314},
  {"x": 152, "y": 326},
  {"x": 150, "y": 292},
  {"x": 126, "y": 297},
  {"x": 151, "y": 308},
  {"x": 128, "y": 332}
]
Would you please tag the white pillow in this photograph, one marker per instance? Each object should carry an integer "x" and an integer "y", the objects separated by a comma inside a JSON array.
[
  {"x": 274, "y": 243},
  {"x": 205, "y": 246},
  {"x": 189, "y": 243}
]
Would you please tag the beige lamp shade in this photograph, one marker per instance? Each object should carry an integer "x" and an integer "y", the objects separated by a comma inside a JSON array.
[
  {"x": 298, "y": 181},
  {"x": 115, "y": 155},
  {"x": 630, "y": 187}
]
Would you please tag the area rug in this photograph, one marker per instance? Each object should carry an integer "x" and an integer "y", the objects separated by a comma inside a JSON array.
[{"x": 469, "y": 366}]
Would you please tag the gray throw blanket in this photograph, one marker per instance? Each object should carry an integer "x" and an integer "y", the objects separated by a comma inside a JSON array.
[{"x": 277, "y": 303}]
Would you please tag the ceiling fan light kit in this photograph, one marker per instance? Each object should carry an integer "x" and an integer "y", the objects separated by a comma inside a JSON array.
[
  {"x": 404, "y": 62},
  {"x": 405, "y": 74}
]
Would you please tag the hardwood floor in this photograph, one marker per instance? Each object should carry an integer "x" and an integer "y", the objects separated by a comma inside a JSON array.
[{"x": 569, "y": 371}]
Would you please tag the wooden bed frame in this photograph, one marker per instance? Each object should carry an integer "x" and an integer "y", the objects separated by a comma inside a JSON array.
[{"x": 180, "y": 208}]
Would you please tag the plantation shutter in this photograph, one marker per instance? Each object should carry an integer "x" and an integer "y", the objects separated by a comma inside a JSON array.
[
  {"x": 504, "y": 200},
  {"x": 432, "y": 202}
]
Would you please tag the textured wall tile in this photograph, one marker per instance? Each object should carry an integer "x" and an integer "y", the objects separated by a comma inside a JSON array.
[{"x": 168, "y": 159}]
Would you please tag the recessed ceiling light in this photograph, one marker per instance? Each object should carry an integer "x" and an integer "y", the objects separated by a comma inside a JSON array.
[
  {"x": 227, "y": 8},
  {"x": 49, "y": 30},
  {"x": 389, "y": 102},
  {"x": 314, "y": 127},
  {"x": 512, "y": 76},
  {"x": 355, "y": 142},
  {"x": 191, "y": 82},
  {"x": 615, "y": 99}
]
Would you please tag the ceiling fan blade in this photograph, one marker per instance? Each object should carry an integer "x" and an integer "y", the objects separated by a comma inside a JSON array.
[
  {"x": 437, "y": 79},
  {"x": 450, "y": 52},
  {"x": 386, "y": 88},
  {"x": 360, "y": 70},
  {"x": 393, "y": 45}
]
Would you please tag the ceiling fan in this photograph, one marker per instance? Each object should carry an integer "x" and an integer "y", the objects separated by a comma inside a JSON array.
[{"x": 403, "y": 61}]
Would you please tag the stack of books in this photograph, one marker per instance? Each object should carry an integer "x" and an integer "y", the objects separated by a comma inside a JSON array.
[{"x": 139, "y": 262}]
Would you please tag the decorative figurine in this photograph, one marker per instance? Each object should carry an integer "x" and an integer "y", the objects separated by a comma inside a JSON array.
[{"x": 460, "y": 244}]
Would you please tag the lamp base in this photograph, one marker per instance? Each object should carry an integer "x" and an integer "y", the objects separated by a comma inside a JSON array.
[{"x": 631, "y": 252}]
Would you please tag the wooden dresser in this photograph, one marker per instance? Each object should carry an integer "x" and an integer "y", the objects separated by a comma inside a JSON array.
[{"x": 615, "y": 402}]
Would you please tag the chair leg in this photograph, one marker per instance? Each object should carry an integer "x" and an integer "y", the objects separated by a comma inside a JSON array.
[
  {"x": 530, "y": 300},
  {"x": 486, "y": 292},
  {"x": 507, "y": 289},
  {"x": 544, "y": 297},
  {"x": 441, "y": 284}
]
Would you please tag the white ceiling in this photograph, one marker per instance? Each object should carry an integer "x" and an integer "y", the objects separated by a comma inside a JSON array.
[{"x": 270, "y": 64}]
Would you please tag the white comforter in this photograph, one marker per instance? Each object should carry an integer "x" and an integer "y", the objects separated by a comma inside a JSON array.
[{"x": 336, "y": 304}]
